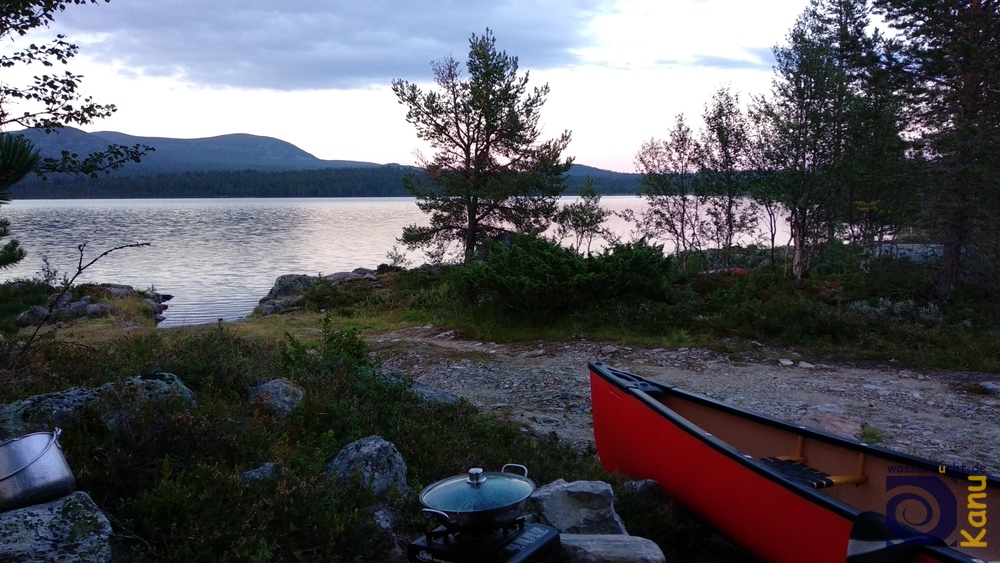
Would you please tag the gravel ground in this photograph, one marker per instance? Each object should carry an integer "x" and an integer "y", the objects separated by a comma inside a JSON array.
[{"x": 545, "y": 388}]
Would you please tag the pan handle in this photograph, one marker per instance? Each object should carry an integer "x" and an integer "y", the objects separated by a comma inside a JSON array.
[
  {"x": 441, "y": 517},
  {"x": 519, "y": 466}
]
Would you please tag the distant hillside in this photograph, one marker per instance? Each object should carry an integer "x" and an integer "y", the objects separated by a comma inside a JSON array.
[
  {"x": 238, "y": 151},
  {"x": 240, "y": 165}
]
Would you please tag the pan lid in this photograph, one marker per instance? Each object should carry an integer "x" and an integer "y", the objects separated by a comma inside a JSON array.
[{"x": 477, "y": 491}]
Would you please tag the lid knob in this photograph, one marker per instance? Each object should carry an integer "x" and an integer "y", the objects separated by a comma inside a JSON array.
[{"x": 476, "y": 477}]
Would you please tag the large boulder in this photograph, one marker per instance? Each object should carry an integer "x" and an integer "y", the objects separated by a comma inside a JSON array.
[
  {"x": 43, "y": 412},
  {"x": 580, "y": 507},
  {"x": 278, "y": 395},
  {"x": 69, "y": 530},
  {"x": 609, "y": 548},
  {"x": 289, "y": 285},
  {"x": 375, "y": 461}
]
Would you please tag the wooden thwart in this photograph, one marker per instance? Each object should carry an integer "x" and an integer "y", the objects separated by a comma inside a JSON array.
[{"x": 794, "y": 467}]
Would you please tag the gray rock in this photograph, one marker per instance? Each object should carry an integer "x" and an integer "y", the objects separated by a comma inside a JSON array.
[
  {"x": 363, "y": 271},
  {"x": 60, "y": 300},
  {"x": 98, "y": 310},
  {"x": 608, "y": 350},
  {"x": 580, "y": 507},
  {"x": 265, "y": 471},
  {"x": 806, "y": 365},
  {"x": 449, "y": 334},
  {"x": 833, "y": 420},
  {"x": 79, "y": 307},
  {"x": 370, "y": 277},
  {"x": 71, "y": 529},
  {"x": 375, "y": 461},
  {"x": 43, "y": 412},
  {"x": 422, "y": 390},
  {"x": 646, "y": 488},
  {"x": 288, "y": 285},
  {"x": 272, "y": 307},
  {"x": 297, "y": 301},
  {"x": 117, "y": 290},
  {"x": 33, "y": 316},
  {"x": 278, "y": 395},
  {"x": 993, "y": 388},
  {"x": 786, "y": 362},
  {"x": 341, "y": 277},
  {"x": 609, "y": 548}
]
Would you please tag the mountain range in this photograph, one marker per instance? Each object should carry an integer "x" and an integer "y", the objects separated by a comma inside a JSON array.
[{"x": 187, "y": 166}]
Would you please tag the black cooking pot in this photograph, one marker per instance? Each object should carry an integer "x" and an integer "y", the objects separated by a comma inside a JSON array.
[{"x": 478, "y": 502}]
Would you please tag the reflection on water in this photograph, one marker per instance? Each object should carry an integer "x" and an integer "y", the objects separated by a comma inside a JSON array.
[{"x": 217, "y": 257}]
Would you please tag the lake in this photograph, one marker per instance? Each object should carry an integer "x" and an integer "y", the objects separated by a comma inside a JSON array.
[{"x": 217, "y": 257}]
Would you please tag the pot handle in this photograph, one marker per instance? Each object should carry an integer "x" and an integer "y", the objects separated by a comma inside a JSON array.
[
  {"x": 437, "y": 515},
  {"x": 54, "y": 440},
  {"x": 521, "y": 467}
]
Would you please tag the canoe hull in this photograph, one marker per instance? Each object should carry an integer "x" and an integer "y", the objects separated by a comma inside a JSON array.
[{"x": 777, "y": 519}]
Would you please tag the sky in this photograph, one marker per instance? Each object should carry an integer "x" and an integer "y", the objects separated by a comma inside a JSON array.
[{"x": 317, "y": 73}]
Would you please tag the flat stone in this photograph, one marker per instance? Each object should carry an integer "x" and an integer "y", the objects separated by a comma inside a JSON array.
[
  {"x": 609, "y": 548},
  {"x": 993, "y": 388},
  {"x": 580, "y": 507},
  {"x": 69, "y": 530},
  {"x": 786, "y": 362}
]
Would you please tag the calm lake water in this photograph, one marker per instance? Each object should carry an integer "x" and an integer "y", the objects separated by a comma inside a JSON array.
[{"x": 217, "y": 257}]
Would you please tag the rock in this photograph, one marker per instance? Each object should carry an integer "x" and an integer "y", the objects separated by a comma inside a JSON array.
[
  {"x": 33, "y": 316},
  {"x": 370, "y": 277},
  {"x": 71, "y": 529},
  {"x": 60, "y": 300},
  {"x": 278, "y": 395},
  {"x": 992, "y": 388},
  {"x": 297, "y": 301},
  {"x": 881, "y": 391},
  {"x": 646, "y": 488},
  {"x": 265, "y": 471},
  {"x": 433, "y": 394},
  {"x": 272, "y": 307},
  {"x": 341, "y": 277},
  {"x": 831, "y": 419},
  {"x": 580, "y": 507},
  {"x": 363, "y": 271},
  {"x": 422, "y": 390},
  {"x": 608, "y": 350},
  {"x": 609, "y": 548},
  {"x": 115, "y": 290},
  {"x": 806, "y": 365},
  {"x": 786, "y": 362},
  {"x": 98, "y": 310},
  {"x": 79, "y": 307},
  {"x": 449, "y": 334},
  {"x": 288, "y": 285},
  {"x": 383, "y": 518},
  {"x": 43, "y": 412},
  {"x": 375, "y": 461}
]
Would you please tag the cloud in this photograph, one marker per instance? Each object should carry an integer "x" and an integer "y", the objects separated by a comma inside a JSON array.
[
  {"x": 315, "y": 44},
  {"x": 758, "y": 59}
]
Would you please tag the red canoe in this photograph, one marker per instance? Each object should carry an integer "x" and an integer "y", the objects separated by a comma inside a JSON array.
[{"x": 788, "y": 493}]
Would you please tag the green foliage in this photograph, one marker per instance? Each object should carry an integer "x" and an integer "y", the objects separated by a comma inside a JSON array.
[
  {"x": 533, "y": 275},
  {"x": 169, "y": 473},
  {"x": 342, "y": 298}
]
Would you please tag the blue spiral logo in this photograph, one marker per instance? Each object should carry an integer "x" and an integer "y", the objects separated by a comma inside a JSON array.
[{"x": 909, "y": 513}]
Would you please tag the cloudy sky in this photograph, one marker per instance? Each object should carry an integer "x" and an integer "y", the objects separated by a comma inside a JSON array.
[{"x": 316, "y": 73}]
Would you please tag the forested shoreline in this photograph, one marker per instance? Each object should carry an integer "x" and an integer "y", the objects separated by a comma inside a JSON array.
[{"x": 383, "y": 181}]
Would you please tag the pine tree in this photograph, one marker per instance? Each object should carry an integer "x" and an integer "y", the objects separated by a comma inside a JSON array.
[
  {"x": 17, "y": 159},
  {"x": 951, "y": 52},
  {"x": 491, "y": 174}
]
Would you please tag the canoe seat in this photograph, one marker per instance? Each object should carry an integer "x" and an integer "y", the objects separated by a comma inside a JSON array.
[{"x": 793, "y": 470}]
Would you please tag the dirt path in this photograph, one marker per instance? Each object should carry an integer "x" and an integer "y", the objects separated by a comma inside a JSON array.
[{"x": 545, "y": 388}]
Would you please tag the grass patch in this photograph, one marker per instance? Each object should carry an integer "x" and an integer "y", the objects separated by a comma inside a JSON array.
[{"x": 871, "y": 435}]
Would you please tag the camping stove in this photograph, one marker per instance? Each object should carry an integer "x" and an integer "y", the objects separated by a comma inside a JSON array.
[{"x": 515, "y": 543}]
